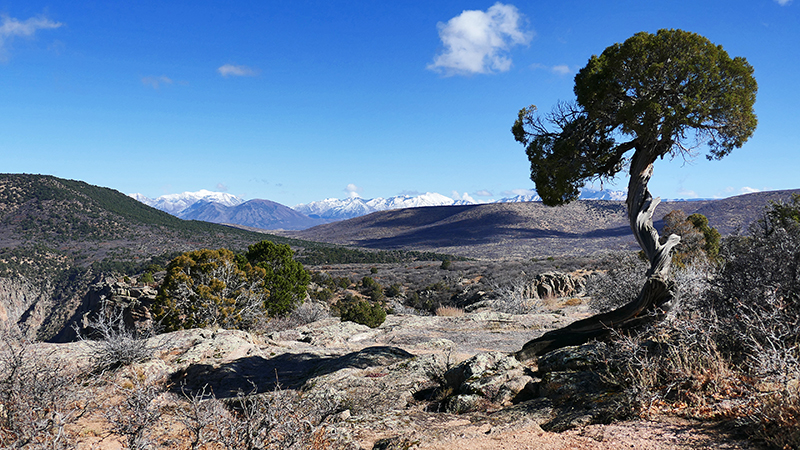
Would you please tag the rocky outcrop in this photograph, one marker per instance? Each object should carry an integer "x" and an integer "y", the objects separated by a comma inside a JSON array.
[
  {"x": 552, "y": 285},
  {"x": 493, "y": 377},
  {"x": 116, "y": 296},
  {"x": 18, "y": 296}
]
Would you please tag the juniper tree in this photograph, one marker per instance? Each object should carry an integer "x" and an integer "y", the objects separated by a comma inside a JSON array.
[{"x": 654, "y": 95}]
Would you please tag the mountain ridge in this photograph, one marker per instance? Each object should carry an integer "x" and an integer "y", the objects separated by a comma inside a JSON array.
[
  {"x": 526, "y": 230},
  {"x": 220, "y": 207}
]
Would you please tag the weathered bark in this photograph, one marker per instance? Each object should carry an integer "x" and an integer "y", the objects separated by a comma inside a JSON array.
[{"x": 655, "y": 298}]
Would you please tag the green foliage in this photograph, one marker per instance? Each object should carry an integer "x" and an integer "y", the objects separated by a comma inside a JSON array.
[
  {"x": 210, "y": 288},
  {"x": 284, "y": 278},
  {"x": 698, "y": 239},
  {"x": 373, "y": 289},
  {"x": 147, "y": 278},
  {"x": 373, "y": 270},
  {"x": 361, "y": 311},
  {"x": 317, "y": 254},
  {"x": 669, "y": 92},
  {"x": 712, "y": 237},
  {"x": 783, "y": 215},
  {"x": 446, "y": 264},
  {"x": 394, "y": 290}
]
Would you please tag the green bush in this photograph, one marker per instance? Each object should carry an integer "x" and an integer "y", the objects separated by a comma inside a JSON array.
[
  {"x": 285, "y": 279},
  {"x": 220, "y": 288},
  {"x": 210, "y": 288},
  {"x": 394, "y": 290},
  {"x": 361, "y": 311}
]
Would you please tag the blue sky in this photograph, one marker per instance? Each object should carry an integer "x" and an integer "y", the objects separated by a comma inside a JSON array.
[{"x": 303, "y": 100}]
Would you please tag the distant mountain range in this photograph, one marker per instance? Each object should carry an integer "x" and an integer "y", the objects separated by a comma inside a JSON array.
[
  {"x": 220, "y": 207},
  {"x": 525, "y": 230}
]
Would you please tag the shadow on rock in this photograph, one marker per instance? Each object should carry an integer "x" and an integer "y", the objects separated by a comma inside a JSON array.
[{"x": 255, "y": 374}]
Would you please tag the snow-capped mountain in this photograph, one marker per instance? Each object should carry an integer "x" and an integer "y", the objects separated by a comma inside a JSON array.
[
  {"x": 586, "y": 194},
  {"x": 520, "y": 198},
  {"x": 220, "y": 207},
  {"x": 175, "y": 203},
  {"x": 348, "y": 208},
  {"x": 605, "y": 194},
  {"x": 333, "y": 209}
]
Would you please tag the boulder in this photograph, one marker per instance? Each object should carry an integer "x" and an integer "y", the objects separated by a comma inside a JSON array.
[{"x": 495, "y": 377}]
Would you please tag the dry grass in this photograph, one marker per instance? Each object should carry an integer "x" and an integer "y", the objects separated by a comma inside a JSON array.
[{"x": 449, "y": 311}]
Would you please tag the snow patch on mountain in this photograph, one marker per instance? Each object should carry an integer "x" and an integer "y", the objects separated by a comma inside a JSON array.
[
  {"x": 333, "y": 209},
  {"x": 348, "y": 208},
  {"x": 175, "y": 203}
]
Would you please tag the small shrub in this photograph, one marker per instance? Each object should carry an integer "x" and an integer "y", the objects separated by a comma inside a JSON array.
[
  {"x": 449, "y": 311},
  {"x": 133, "y": 418},
  {"x": 446, "y": 264},
  {"x": 513, "y": 298},
  {"x": 277, "y": 420},
  {"x": 393, "y": 290},
  {"x": 620, "y": 284},
  {"x": 147, "y": 278},
  {"x": 362, "y": 312},
  {"x": 112, "y": 343}
]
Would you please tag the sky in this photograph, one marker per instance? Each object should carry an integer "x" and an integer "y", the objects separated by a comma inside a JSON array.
[{"x": 305, "y": 100}]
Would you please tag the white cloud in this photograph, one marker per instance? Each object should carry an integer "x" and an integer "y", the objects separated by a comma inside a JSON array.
[
  {"x": 748, "y": 190},
  {"x": 478, "y": 41},
  {"x": 687, "y": 193},
  {"x": 561, "y": 69},
  {"x": 483, "y": 193},
  {"x": 11, "y": 28},
  {"x": 237, "y": 71},
  {"x": 156, "y": 82},
  {"x": 465, "y": 196},
  {"x": 221, "y": 187},
  {"x": 783, "y": 2},
  {"x": 352, "y": 190}
]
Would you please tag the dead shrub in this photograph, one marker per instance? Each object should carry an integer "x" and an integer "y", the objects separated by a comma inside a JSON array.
[
  {"x": 514, "y": 297},
  {"x": 449, "y": 311},
  {"x": 281, "y": 419},
  {"x": 134, "y": 416},
  {"x": 620, "y": 284},
  {"x": 113, "y": 344},
  {"x": 39, "y": 395}
]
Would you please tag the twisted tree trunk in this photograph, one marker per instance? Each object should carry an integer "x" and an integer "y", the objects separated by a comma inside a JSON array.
[{"x": 655, "y": 298}]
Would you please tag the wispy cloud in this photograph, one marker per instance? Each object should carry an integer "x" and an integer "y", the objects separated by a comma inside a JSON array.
[
  {"x": 560, "y": 69},
  {"x": 479, "y": 41},
  {"x": 783, "y": 2},
  {"x": 11, "y": 27},
  {"x": 483, "y": 193},
  {"x": 230, "y": 70},
  {"x": 222, "y": 187},
  {"x": 352, "y": 190},
  {"x": 748, "y": 190},
  {"x": 156, "y": 82},
  {"x": 411, "y": 193},
  {"x": 687, "y": 193}
]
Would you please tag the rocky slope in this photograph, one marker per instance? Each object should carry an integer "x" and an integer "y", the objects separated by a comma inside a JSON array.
[{"x": 380, "y": 385}]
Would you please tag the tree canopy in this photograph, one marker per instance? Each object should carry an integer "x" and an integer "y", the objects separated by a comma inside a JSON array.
[{"x": 658, "y": 94}]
